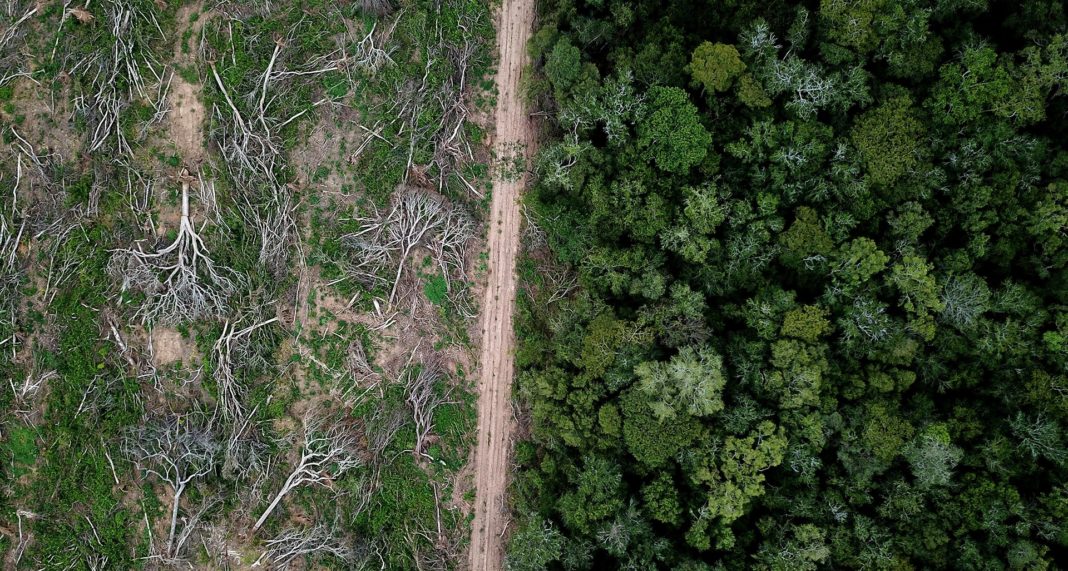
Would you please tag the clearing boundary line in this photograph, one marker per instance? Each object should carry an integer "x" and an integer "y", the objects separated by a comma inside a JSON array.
[{"x": 496, "y": 364}]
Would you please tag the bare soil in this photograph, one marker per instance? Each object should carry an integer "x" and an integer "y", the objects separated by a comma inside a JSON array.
[
  {"x": 44, "y": 119},
  {"x": 168, "y": 346},
  {"x": 186, "y": 120},
  {"x": 495, "y": 418}
]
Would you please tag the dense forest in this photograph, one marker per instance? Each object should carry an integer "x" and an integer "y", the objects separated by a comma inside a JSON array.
[{"x": 795, "y": 287}]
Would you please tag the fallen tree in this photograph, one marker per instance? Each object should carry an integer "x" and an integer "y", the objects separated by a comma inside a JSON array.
[
  {"x": 327, "y": 451},
  {"x": 181, "y": 280},
  {"x": 319, "y": 539},
  {"x": 122, "y": 70},
  {"x": 178, "y": 450}
]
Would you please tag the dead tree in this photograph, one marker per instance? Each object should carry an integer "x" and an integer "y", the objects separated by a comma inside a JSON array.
[
  {"x": 222, "y": 545},
  {"x": 450, "y": 245},
  {"x": 370, "y": 254},
  {"x": 227, "y": 355},
  {"x": 445, "y": 137},
  {"x": 430, "y": 553},
  {"x": 367, "y": 55},
  {"x": 416, "y": 218},
  {"x": 423, "y": 398},
  {"x": 243, "y": 454},
  {"x": 139, "y": 192},
  {"x": 327, "y": 451},
  {"x": 99, "y": 396},
  {"x": 178, "y": 450},
  {"x": 181, "y": 280},
  {"x": 247, "y": 134},
  {"x": 380, "y": 431},
  {"x": 12, "y": 231},
  {"x": 25, "y": 393},
  {"x": 247, "y": 461},
  {"x": 189, "y": 527},
  {"x": 291, "y": 543},
  {"x": 364, "y": 377},
  {"x": 114, "y": 76},
  {"x": 358, "y": 364},
  {"x": 12, "y": 39}
]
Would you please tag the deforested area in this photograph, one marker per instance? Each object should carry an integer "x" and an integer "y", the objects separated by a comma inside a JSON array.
[
  {"x": 795, "y": 287},
  {"x": 239, "y": 254}
]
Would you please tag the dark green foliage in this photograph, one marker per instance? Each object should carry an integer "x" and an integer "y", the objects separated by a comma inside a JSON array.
[
  {"x": 672, "y": 131},
  {"x": 822, "y": 264}
]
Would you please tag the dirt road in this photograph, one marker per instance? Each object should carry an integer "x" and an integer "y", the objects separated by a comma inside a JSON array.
[{"x": 495, "y": 381}]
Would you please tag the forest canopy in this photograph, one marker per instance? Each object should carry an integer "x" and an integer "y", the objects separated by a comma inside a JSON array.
[{"x": 796, "y": 287}]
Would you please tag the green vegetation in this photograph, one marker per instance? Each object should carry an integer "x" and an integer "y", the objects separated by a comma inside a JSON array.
[{"x": 820, "y": 318}]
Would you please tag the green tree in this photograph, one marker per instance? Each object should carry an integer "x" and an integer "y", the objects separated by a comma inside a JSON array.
[
  {"x": 690, "y": 383},
  {"x": 534, "y": 545},
  {"x": 672, "y": 131},
  {"x": 933, "y": 457},
  {"x": 805, "y": 239},
  {"x": 888, "y": 139},
  {"x": 652, "y": 441},
  {"x": 735, "y": 475},
  {"x": 919, "y": 290},
  {"x": 597, "y": 494},
  {"x": 661, "y": 500},
  {"x": 808, "y": 323},
  {"x": 858, "y": 261},
  {"x": 564, "y": 64},
  {"x": 715, "y": 66},
  {"x": 796, "y": 548},
  {"x": 798, "y": 376},
  {"x": 885, "y": 432}
]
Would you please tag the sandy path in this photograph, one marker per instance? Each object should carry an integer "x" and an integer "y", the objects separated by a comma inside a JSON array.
[{"x": 495, "y": 379}]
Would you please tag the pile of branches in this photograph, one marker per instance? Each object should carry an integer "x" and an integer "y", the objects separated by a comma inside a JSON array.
[
  {"x": 247, "y": 132},
  {"x": 235, "y": 356},
  {"x": 16, "y": 19},
  {"x": 318, "y": 539},
  {"x": 423, "y": 396},
  {"x": 123, "y": 70},
  {"x": 12, "y": 233},
  {"x": 177, "y": 450},
  {"x": 385, "y": 240},
  {"x": 329, "y": 448},
  {"x": 453, "y": 55}
]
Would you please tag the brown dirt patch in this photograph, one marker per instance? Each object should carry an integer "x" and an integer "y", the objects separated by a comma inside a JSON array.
[
  {"x": 497, "y": 368},
  {"x": 45, "y": 123},
  {"x": 168, "y": 346},
  {"x": 185, "y": 122},
  {"x": 321, "y": 149}
]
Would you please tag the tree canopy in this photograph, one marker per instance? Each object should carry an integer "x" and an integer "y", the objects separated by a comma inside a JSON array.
[{"x": 817, "y": 305}]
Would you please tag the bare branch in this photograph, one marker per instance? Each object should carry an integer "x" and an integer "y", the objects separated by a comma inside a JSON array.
[
  {"x": 181, "y": 280},
  {"x": 327, "y": 452},
  {"x": 423, "y": 397},
  {"x": 177, "y": 450},
  {"x": 291, "y": 543},
  {"x": 415, "y": 218},
  {"x": 114, "y": 77}
]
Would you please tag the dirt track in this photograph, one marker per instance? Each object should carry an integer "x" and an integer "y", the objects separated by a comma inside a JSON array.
[{"x": 496, "y": 371}]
